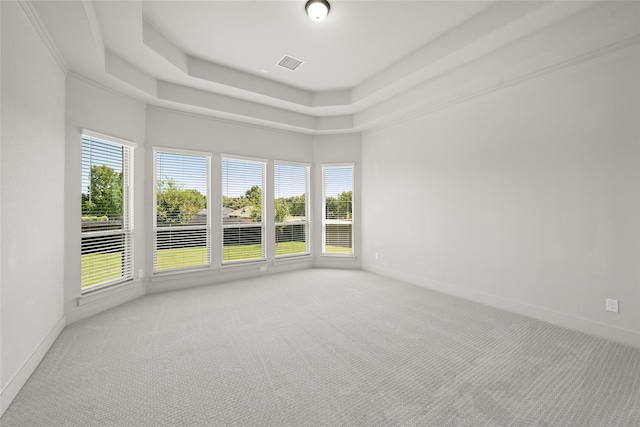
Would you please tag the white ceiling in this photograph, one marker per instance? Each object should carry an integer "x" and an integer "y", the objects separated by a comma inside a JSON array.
[
  {"x": 367, "y": 63},
  {"x": 357, "y": 40}
]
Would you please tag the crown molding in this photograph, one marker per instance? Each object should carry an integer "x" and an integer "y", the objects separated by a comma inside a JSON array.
[
  {"x": 230, "y": 121},
  {"x": 540, "y": 41},
  {"x": 504, "y": 83},
  {"x": 37, "y": 24},
  {"x": 111, "y": 91}
]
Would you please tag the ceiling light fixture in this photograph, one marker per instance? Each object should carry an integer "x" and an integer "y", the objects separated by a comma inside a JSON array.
[{"x": 317, "y": 9}]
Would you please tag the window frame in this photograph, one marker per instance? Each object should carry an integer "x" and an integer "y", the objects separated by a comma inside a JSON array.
[
  {"x": 263, "y": 221},
  {"x": 307, "y": 222},
  {"x": 324, "y": 210},
  {"x": 207, "y": 226},
  {"x": 127, "y": 230}
]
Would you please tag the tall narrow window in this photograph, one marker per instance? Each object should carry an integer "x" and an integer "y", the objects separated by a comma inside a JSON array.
[
  {"x": 291, "y": 186},
  {"x": 242, "y": 210},
  {"x": 107, "y": 211},
  {"x": 181, "y": 217},
  {"x": 337, "y": 221}
]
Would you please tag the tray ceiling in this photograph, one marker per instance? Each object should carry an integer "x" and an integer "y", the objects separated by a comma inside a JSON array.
[{"x": 367, "y": 63}]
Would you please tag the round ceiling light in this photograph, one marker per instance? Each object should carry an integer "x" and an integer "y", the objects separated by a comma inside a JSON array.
[{"x": 317, "y": 9}]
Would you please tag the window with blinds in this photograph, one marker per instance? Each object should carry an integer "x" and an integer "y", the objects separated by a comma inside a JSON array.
[
  {"x": 242, "y": 210},
  {"x": 181, "y": 213},
  {"x": 107, "y": 211},
  {"x": 291, "y": 189},
  {"x": 337, "y": 218}
]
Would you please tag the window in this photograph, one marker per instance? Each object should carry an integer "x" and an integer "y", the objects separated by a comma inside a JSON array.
[
  {"x": 107, "y": 211},
  {"x": 181, "y": 213},
  {"x": 242, "y": 210},
  {"x": 337, "y": 220},
  {"x": 291, "y": 187}
]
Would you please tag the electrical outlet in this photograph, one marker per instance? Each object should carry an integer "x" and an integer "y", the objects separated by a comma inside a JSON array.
[
  {"x": 377, "y": 256},
  {"x": 140, "y": 273},
  {"x": 611, "y": 305},
  {"x": 263, "y": 268}
]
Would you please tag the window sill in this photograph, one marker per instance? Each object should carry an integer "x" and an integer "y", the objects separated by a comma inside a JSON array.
[
  {"x": 338, "y": 255},
  {"x": 107, "y": 292},
  {"x": 164, "y": 276},
  {"x": 292, "y": 258},
  {"x": 244, "y": 265}
]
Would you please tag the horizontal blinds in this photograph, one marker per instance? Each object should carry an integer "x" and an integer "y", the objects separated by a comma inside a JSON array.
[
  {"x": 102, "y": 163},
  {"x": 291, "y": 183},
  {"x": 338, "y": 209},
  {"x": 181, "y": 213},
  {"x": 242, "y": 210},
  {"x": 106, "y": 259},
  {"x": 104, "y": 137},
  {"x": 106, "y": 226},
  {"x": 292, "y": 239}
]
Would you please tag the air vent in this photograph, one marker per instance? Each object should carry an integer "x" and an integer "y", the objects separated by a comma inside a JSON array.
[{"x": 290, "y": 63}]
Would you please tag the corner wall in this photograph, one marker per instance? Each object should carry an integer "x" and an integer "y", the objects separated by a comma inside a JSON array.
[
  {"x": 526, "y": 198},
  {"x": 32, "y": 192}
]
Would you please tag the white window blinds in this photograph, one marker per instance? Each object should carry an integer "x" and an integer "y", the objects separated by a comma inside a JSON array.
[
  {"x": 291, "y": 187},
  {"x": 337, "y": 221},
  {"x": 182, "y": 219},
  {"x": 242, "y": 210},
  {"x": 107, "y": 212}
]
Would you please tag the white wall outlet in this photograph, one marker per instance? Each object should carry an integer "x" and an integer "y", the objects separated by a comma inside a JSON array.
[
  {"x": 140, "y": 273},
  {"x": 263, "y": 268},
  {"x": 377, "y": 256},
  {"x": 612, "y": 305}
]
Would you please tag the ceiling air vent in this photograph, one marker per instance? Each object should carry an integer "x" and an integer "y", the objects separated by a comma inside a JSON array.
[{"x": 290, "y": 63}]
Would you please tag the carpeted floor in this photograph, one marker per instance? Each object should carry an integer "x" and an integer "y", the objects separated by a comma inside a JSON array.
[{"x": 325, "y": 347}]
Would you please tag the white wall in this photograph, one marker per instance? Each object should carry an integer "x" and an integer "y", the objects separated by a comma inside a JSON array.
[
  {"x": 32, "y": 192},
  {"x": 527, "y": 198},
  {"x": 92, "y": 107},
  {"x": 329, "y": 149},
  {"x": 192, "y": 132}
]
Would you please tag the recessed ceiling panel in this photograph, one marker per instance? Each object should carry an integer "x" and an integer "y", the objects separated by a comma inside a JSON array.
[{"x": 356, "y": 40}]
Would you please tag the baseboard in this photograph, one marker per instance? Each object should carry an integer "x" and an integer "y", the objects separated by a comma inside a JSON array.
[
  {"x": 336, "y": 261},
  {"x": 601, "y": 330},
  {"x": 228, "y": 273},
  {"x": 104, "y": 302},
  {"x": 10, "y": 391}
]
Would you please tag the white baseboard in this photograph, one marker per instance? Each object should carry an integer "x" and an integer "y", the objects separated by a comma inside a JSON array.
[
  {"x": 336, "y": 261},
  {"x": 10, "y": 391},
  {"x": 99, "y": 303},
  {"x": 228, "y": 273},
  {"x": 601, "y": 330}
]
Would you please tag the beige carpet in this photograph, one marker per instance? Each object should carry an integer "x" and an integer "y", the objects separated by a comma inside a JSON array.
[{"x": 325, "y": 347}]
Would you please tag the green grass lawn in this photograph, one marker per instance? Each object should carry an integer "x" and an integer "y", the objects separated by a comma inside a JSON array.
[
  {"x": 328, "y": 249},
  {"x": 241, "y": 252},
  {"x": 105, "y": 267},
  {"x": 181, "y": 258},
  {"x": 290, "y": 248},
  {"x": 108, "y": 267}
]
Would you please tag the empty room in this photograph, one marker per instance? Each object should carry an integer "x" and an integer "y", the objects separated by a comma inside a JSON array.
[{"x": 320, "y": 213}]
